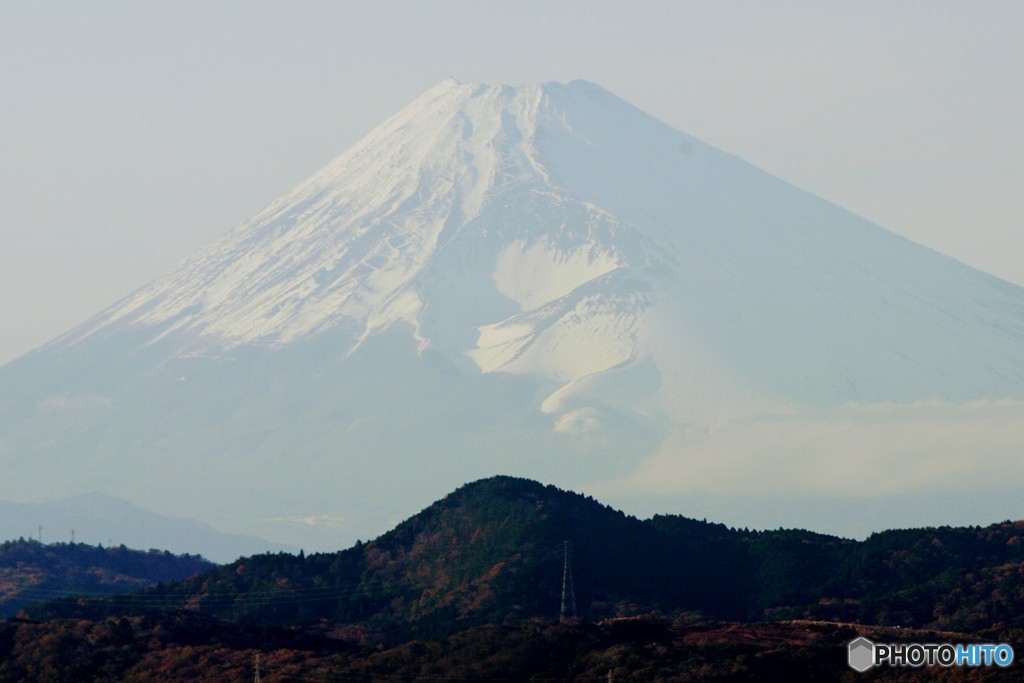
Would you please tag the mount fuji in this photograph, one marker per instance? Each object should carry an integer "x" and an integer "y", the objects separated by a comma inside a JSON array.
[{"x": 537, "y": 280}]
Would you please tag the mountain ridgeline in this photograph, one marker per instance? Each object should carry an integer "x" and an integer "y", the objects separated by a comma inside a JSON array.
[
  {"x": 494, "y": 552},
  {"x": 31, "y": 571}
]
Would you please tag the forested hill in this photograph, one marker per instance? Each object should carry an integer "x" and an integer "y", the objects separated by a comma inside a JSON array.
[
  {"x": 493, "y": 552},
  {"x": 31, "y": 571}
]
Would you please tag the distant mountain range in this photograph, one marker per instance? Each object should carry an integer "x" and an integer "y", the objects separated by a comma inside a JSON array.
[
  {"x": 95, "y": 518},
  {"x": 539, "y": 280}
]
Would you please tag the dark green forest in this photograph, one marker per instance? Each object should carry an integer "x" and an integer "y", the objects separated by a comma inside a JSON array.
[
  {"x": 31, "y": 572},
  {"x": 486, "y": 563}
]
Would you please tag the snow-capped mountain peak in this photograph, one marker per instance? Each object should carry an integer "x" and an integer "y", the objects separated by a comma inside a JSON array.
[
  {"x": 532, "y": 228},
  {"x": 353, "y": 241},
  {"x": 537, "y": 279}
]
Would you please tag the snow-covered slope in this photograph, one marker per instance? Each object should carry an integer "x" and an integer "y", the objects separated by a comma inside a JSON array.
[
  {"x": 532, "y": 278},
  {"x": 556, "y": 230}
]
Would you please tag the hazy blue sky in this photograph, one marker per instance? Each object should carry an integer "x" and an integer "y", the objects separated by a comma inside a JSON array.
[{"x": 134, "y": 132}]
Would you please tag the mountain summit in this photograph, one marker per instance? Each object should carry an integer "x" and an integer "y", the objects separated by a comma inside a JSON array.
[{"x": 539, "y": 279}]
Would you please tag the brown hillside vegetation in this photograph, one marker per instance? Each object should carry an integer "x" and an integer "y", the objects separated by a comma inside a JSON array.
[
  {"x": 187, "y": 647},
  {"x": 470, "y": 588}
]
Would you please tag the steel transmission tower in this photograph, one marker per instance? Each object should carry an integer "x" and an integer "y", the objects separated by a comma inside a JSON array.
[{"x": 568, "y": 591}]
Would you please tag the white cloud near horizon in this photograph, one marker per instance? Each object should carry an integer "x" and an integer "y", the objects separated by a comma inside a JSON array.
[
  {"x": 853, "y": 450},
  {"x": 329, "y": 521}
]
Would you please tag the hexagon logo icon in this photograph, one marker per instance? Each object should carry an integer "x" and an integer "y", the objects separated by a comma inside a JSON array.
[{"x": 861, "y": 654}]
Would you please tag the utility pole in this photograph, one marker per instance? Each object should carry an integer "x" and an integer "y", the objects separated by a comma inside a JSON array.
[
  {"x": 72, "y": 537},
  {"x": 40, "y": 534},
  {"x": 256, "y": 670},
  {"x": 568, "y": 591}
]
